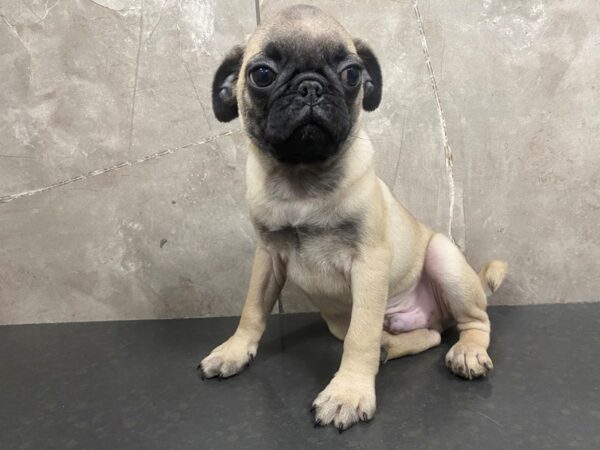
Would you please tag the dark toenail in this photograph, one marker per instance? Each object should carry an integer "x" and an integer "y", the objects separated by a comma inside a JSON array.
[
  {"x": 317, "y": 423},
  {"x": 340, "y": 429}
]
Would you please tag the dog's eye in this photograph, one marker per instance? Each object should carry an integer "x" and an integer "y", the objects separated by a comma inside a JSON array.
[
  {"x": 262, "y": 76},
  {"x": 351, "y": 76}
]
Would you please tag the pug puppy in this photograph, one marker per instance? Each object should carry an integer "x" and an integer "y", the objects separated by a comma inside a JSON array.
[{"x": 384, "y": 283}]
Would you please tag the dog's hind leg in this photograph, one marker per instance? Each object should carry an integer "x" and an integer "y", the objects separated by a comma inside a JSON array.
[
  {"x": 462, "y": 291},
  {"x": 408, "y": 343}
]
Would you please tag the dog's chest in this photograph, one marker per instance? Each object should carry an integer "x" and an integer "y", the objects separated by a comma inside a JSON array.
[
  {"x": 307, "y": 239},
  {"x": 318, "y": 256}
]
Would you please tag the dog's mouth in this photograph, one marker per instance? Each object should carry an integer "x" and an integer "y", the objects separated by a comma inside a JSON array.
[
  {"x": 309, "y": 143},
  {"x": 305, "y": 134},
  {"x": 310, "y": 135}
]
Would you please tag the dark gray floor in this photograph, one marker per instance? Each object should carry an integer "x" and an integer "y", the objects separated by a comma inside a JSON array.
[{"x": 133, "y": 385}]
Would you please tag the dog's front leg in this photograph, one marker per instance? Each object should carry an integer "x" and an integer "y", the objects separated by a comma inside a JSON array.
[
  {"x": 266, "y": 282},
  {"x": 350, "y": 396}
]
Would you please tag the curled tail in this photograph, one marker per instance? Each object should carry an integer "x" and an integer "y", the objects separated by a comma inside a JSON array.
[{"x": 492, "y": 275}]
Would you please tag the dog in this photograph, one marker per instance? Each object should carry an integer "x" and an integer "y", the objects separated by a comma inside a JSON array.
[{"x": 385, "y": 284}]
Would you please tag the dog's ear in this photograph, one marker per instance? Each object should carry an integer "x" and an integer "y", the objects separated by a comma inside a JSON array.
[
  {"x": 224, "y": 86},
  {"x": 372, "y": 80}
]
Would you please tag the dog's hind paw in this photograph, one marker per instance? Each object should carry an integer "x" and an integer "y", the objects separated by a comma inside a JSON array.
[{"x": 468, "y": 360}]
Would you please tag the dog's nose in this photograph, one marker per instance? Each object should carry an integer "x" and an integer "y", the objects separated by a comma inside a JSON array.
[{"x": 311, "y": 91}]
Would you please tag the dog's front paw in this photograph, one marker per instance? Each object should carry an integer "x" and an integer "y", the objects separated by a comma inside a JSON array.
[
  {"x": 468, "y": 360},
  {"x": 345, "y": 401},
  {"x": 228, "y": 359}
]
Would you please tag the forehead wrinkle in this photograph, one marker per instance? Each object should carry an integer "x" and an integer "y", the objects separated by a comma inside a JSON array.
[
  {"x": 303, "y": 26},
  {"x": 303, "y": 49}
]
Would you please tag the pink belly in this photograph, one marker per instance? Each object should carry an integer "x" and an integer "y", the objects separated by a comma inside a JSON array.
[{"x": 415, "y": 309}]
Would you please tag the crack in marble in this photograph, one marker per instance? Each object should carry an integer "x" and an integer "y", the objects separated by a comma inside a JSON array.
[
  {"x": 190, "y": 77},
  {"x": 30, "y": 9},
  {"x": 12, "y": 28},
  {"x": 17, "y": 156},
  {"x": 160, "y": 15},
  {"x": 48, "y": 10},
  {"x": 447, "y": 149},
  {"x": 196, "y": 93},
  {"x": 397, "y": 168},
  {"x": 114, "y": 10},
  {"x": 135, "y": 83},
  {"x": 129, "y": 163}
]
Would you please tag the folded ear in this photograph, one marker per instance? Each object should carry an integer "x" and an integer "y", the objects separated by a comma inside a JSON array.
[
  {"x": 372, "y": 80},
  {"x": 223, "y": 88}
]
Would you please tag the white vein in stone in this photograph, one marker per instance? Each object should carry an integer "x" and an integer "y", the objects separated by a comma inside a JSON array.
[
  {"x": 447, "y": 149},
  {"x": 131, "y": 162},
  {"x": 135, "y": 80}
]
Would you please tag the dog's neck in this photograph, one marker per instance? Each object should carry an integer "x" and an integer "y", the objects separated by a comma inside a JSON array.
[{"x": 297, "y": 182}]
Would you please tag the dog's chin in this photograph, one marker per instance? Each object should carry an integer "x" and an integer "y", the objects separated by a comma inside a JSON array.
[{"x": 308, "y": 144}]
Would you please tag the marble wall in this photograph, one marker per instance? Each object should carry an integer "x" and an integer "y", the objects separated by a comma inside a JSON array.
[{"x": 121, "y": 197}]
